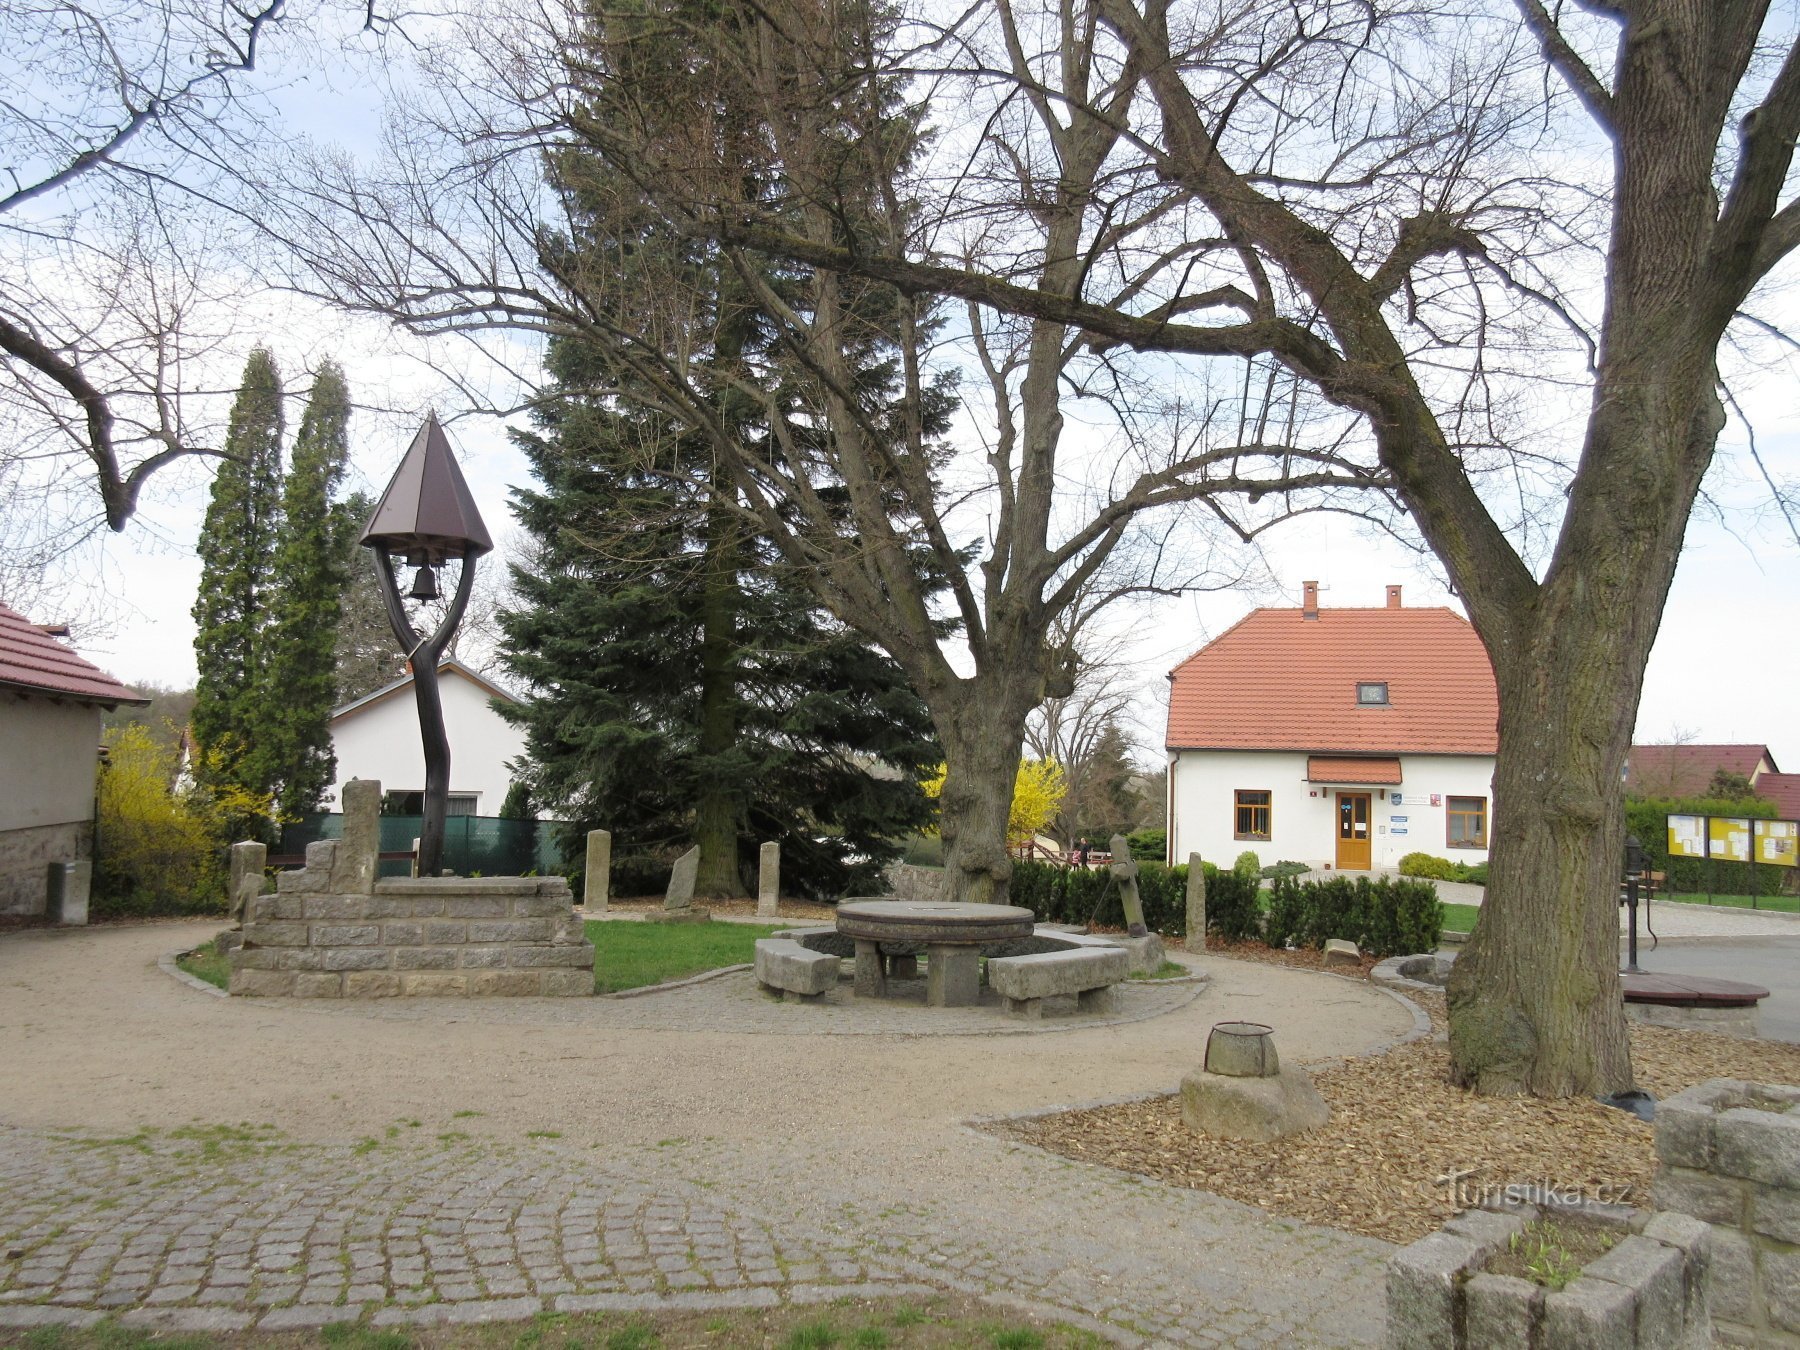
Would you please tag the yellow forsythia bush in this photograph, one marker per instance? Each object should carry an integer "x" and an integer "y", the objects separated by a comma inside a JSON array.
[
  {"x": 1038, "y": 792},
  {"x": 154, "y": 852}
]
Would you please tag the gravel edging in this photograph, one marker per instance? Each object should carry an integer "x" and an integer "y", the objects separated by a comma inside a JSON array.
[
  {"x": 167, "y": 965},
  {"x": 701, "y": 978}
]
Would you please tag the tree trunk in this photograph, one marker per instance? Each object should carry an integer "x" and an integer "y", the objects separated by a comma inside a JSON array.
[
  {"x": 718, "y": 808},
  {"x": 982, "y": 740}
]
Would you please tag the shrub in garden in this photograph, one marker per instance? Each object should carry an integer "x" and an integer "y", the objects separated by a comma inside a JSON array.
[
  {"x": 1426, "y": 865},
  {"x": 1149, "y": 845},
  {"x": 1247, "y": 864},
  {"x": 1234, "y": 904},
  {"x": 156, "y": 852},
  {"x": 1384, "y": 917},
  {"x": 1285, "y": 869}
]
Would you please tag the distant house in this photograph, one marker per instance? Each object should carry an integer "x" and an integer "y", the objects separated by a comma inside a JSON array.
[
  {"x": 1687, "y": 770},
  {"x": 50, "y": 708},
  {"x": 377, "y": 736},
  {"x": 1337, "y": 737}
]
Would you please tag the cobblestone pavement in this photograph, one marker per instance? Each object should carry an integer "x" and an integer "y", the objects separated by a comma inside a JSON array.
[{"x": 803, "y": 1168}]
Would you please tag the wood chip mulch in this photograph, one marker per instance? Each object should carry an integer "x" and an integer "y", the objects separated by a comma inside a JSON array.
[{"x": 1404, "y": 1150}]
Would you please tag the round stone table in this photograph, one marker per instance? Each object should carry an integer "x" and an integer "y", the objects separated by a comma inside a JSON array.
[{"x": 951, "y": 934}]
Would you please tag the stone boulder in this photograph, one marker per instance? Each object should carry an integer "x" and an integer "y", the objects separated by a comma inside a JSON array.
[
  {"x": 1256, "y": 1109},
  {"x": 1340, "y": 954}
]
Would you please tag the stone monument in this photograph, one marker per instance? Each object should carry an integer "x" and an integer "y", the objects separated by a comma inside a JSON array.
[
  {"x": 597, "y": 894},
  {"x": 1196, "y": 904},
  {"x": 678, "y": 900},
  {"x": 1145, "y": 947},
  {"x": 1242, "y": 1091},
  {"x": 768, "y": 882}
]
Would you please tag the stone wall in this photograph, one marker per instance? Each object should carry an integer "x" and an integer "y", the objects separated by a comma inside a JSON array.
[
  {"x": 1730, "y": 1155},
  {"x": 331, "y": 930},
  {"x": 25, "y": 858}
]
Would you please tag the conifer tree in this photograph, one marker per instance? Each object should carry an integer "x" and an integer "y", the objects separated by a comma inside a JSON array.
[
  {"x": 298, "y": 682},
  {"x": 231, "y": 612}
]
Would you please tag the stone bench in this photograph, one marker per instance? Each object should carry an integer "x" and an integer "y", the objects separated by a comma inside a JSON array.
[
  {"x": 797, "y": 973},
  {"x": 1091, "y": 973}
]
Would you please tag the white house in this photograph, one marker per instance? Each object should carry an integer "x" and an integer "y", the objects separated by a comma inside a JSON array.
[
  {"x": 377, "y": 736},
  {"x": 50, "y": 706},
  {"x": 1341, "y": 738}
]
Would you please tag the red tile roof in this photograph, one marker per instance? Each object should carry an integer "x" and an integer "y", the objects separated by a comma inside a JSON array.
[
  {"x": 1280, "y": 681},
  {"x": 1685, "y": 770},
  {"x": 1784, "y": 790},
  {"x": 32, "y": 660},
  {"x": 1325, "y": 769}
]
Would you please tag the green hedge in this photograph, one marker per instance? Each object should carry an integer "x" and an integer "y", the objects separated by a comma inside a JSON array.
[
  {"x": 1434, "y": 868},
  {"x": 1058, "y": 894},
  {"x": 1648, "y": 819},
  {"x": 1385, "y": 917}
]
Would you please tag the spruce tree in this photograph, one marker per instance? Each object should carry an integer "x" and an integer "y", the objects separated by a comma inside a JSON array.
[
  {"x": 298, "y": 690},
  {"x": 231, "y": 612},
  {"x": 367, "y": 656}
]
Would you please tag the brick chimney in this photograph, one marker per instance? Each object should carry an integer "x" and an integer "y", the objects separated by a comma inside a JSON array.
[
  {"x": 1309, "y": 599},
  {"x": 1393, "y": 597}
]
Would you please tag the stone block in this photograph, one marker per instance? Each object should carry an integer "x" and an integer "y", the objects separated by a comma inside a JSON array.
[
  {"x": 512, "y": 930},
  {"x": 371, "y": 984},
  {"x": 568, "y": 983},
  {"x": 782, "y": 963},
  {"x": 1499, "y": 1310},
  {"x": 1051, "y": 973},
  {"x": 871, "y": 971},
  {"x": 483, "y": 958},
  {"x": 1421, "y": 1290},
  {"x": 1701, "y": 1194},
  {"x": 273, "y": 908},
  {"x": 1196, "y": 905},
  {"x": 1781, "y": 1288},
  {"x": 952, "y": 976},
  {"x": 682, "y": 878},
  {"x": 475, "y": 906},
  {"x": 1682, "y": 1231},
  {"x": 557, "y": 886},
  {"x": 337, "y": 908},
  {"x": 402, "y": 934},
  {"x": 346, "y": 934},
  {"x": 358, "y": 958},
  {"x": 258, "y": 958},
  {"x": 299, "y": 958},
  {"x": 1257, "y": 1109},
  {"x": 434, "y": 984},
  {"x": 1145, "y": 952},
  {"x": 1684, "y": 1130},
  {"x": 1733, "y": 1282},
  {"x": 575, "y": 954},
  {"x": 768, "y": 881},
  {"x": 262, "y": 983},
  {"x": 300, "y": 883},
  {"x": 1593, "y": 1314},
  {"x": 1775, "y": 1212},
  {"x": 440, "y": 931},
  {"x": 275, "y": 934},
  {"x": 463, "y": 888},
  {"x": 318, "y": 985},
  {"x": 1760, "y": 1145},
  {"x": 425, "y": 958},
  {"x": 505, "y": 983},
  {"x": 1655, "y": 1275},
  {"x": 1106, "y": 1000},
  {"x": 320, "y": 855},
  {"x": 540, "y": 906},
  {"x": 353, "y": 870},
  {"x": 1492, "y": 1228},
  {"x": 1341, "y": 953}
]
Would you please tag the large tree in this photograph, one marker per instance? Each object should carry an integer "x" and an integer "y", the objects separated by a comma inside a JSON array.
[
  {"x": 309, "y": 570},
  {"x": 233, "y": 609}
]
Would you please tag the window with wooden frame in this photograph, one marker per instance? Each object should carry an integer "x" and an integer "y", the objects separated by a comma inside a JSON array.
[
  {"x": 1466, "y": 822},
  {"x": 1251, "y": 814}
]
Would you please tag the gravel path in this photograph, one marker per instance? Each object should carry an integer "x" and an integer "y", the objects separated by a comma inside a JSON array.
[{"x": 448, "y": 1160}]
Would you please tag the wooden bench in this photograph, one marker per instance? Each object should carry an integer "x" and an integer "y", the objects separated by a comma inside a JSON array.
[
  {"x": 798, "y": 974},
  {"x": 1091, "y": 973}
]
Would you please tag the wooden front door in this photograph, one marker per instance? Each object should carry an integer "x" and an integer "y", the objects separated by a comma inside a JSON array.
[{"x": 1353, "y": 851}]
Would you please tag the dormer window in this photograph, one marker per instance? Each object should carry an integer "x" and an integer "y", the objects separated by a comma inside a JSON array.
[{"x": 1372, "y": 694}]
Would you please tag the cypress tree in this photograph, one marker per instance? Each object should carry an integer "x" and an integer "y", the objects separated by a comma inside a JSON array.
[
  {"x": 311, "y": 570},
  {"x": 231, "y": 612}
]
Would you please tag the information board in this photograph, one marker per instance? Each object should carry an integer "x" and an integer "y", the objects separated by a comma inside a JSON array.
[
  {"x": 1729, "y": 837},
  {"x": 1775, "y": 842},
  {"x": 1687, "y": 836}
]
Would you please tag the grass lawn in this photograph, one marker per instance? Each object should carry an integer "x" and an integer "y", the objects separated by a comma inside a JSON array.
[
  {"x": 209, "y": 963},
  {"x": 1786, "y": 904},
  {"x": 938, "y": 1323},
  {"x": 1460, "y": 918},
  {"x": 632, "y": 955}
]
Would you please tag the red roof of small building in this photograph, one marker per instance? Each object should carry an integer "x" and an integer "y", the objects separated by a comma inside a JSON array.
[
  {"x": 33, "y": 661},
  {"x": 1686, "y": 770},
  {"x": 1784, "y": 790},
  {"x": 1283, "y": 680}
]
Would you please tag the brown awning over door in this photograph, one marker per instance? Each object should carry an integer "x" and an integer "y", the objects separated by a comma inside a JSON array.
[{"x": 1331, "y": 769}]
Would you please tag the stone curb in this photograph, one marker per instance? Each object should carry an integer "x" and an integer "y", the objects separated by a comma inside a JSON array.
[
  {"x": 167, "y": 965},
  {"x": 701, "y": 978}
]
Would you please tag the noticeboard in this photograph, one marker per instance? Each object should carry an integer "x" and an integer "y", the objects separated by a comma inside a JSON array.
[
  {"x": 1728, "y": 837},
  {"x": 1775, "y": 842},
  {"x": 1687, "y": 836}
]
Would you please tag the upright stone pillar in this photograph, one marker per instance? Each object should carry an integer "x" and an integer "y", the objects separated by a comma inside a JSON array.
[
  {"x": 768, "y": 882},
  {"x": 597, "y": 895},
  {"x": 66, "y": 891},
  {"x": 248, "y": 859},
  {"x": 358, "y": 853},
  {"x": 1196, "y": 904}
]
